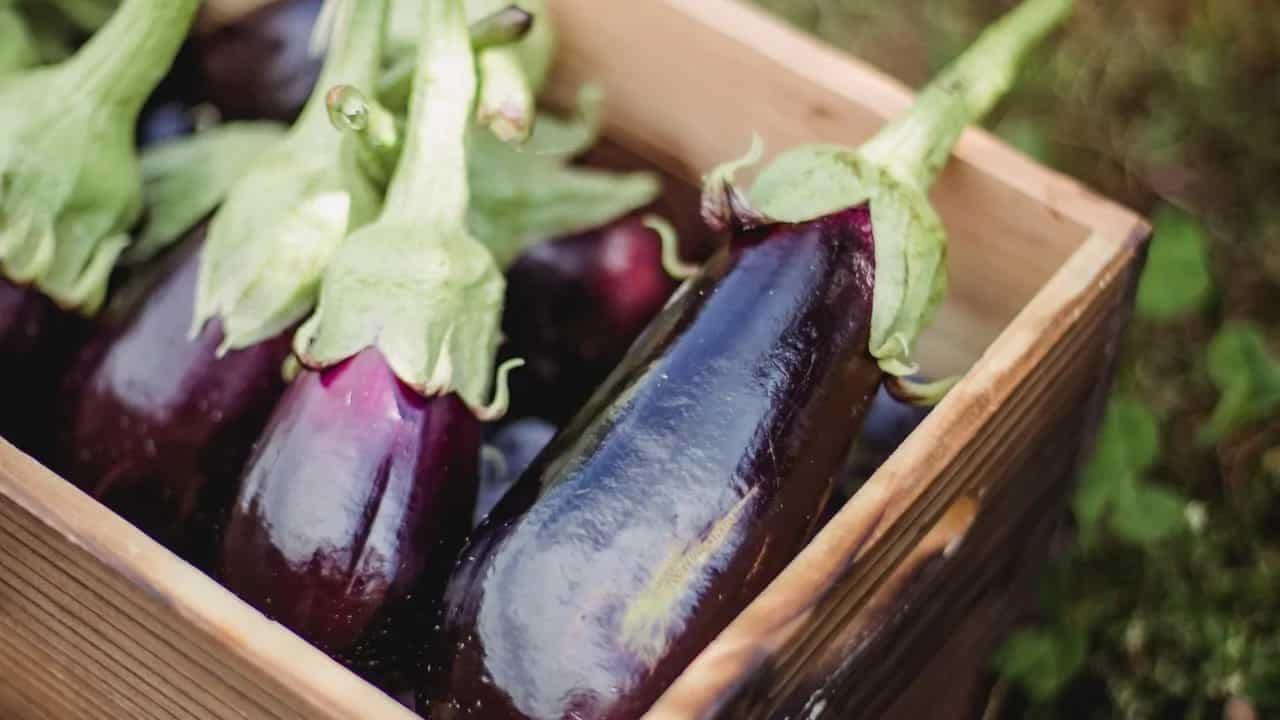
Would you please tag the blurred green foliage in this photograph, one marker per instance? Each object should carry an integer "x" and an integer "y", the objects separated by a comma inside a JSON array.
[{"x": 1164, "y": 605}]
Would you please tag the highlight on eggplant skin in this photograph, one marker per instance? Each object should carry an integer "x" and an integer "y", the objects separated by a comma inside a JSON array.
[
  {"x": 259, "y": 67},
  {"x": 156, "y": 425},
  {"x": 574, "y": 305},
  {"x": 683, "y": 487},
  {"x": 351, "y": 509}
]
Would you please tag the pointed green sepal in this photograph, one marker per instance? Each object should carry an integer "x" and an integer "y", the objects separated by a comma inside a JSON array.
[
  {"x": 281, "y": 223},
  {"x": 185, "y": 180},
  {"x": 70, "y": 183}
]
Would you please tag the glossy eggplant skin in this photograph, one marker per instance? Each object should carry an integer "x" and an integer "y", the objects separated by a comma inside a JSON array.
[
  {"x": 574, "y": 305},
  {"x": 509, "y": 453},
  {"x": 683, "y": 487},
  {"x": 30, "y": 330},
  {"x": 156, "y": 426},
  {"x": 259, "y": 67},
  {"x": 354, "y": 504}
]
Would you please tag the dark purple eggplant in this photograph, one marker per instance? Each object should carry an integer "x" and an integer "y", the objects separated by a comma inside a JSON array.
[
  {"x": 259, "y": 66},
  {"x": 702, "y": 465},
  {"x": 594, "y": 582},
  {"x": 32, "y": 333},
  {"x": 507, "y": 455},
  {"x": 157, "y": 425},
  {"x": 354, "y": 504},
  {"x": 574, "y": 305},
  {"x": 357, "y": 485}
]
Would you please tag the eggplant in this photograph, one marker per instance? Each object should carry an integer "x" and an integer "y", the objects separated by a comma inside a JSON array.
[
  {"x": 363, "y": 485},
  {"x": 662, "y": 507},
  {"x": 158, "y": 426},
  {"x": 574, "y": 305},
  {"x": 507, "y": 455},
  {"x": 702, "y": 465},
  {"x": 32, "y": 334},
  {"x": 259, "y": 66},
  {"x": 357, "y": 485}
]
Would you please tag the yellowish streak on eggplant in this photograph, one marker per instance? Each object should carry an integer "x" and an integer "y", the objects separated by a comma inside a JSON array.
[{"x": 646, "y": 625}]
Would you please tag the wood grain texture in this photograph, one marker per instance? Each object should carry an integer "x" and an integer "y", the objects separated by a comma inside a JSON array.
[
  {"x": 106, "y": 619},
  {"x": 103, "y": 623}
]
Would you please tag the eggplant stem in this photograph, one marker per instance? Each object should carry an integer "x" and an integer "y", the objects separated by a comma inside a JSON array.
[
  {"x": 915, "y": 147},
  {"x": 671, "y": 262},
  {"x": 431, "y": 187}
]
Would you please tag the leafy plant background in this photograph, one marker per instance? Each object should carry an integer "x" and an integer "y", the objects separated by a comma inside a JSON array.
[{"x": 1165, "y": 603}]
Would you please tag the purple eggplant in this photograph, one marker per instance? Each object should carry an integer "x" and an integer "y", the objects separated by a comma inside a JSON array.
[
  {"x": 678, "y": 505},
  {"x": 702, "y": 465},
  {"x": 259, "y": 67},
  {"x": 354, "y": 504},
  {"x": 357, "y": 485},
  {"x": 32, "y": 333},
  {"x": 574, "y": 305},
  {"x": 157, "y": 425},
  {"x": 507, "y": 455}
]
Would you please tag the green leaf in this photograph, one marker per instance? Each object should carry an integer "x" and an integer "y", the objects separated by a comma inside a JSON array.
[
  {"x": 1128, "y": 443},
  {"x": 1176, "y": 280},
  {"x": 185, "y": 180},
  {"x": 1043, "y": 660},
  {"x": 1246, "y": 373},
  {"x": 1148, "y": 514}
]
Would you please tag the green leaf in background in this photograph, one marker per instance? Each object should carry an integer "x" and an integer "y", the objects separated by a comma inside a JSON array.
[
  {"x": 1247, "y": 376},
  {"x": 1128, "y": 444},
  {"x": 1148, "y": 514},
  {"x": 1176, "y": 280},
  {"x": 1043, "y": 660}
]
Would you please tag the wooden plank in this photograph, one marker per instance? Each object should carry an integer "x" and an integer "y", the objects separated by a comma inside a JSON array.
[{"x": 110, "y": 598}]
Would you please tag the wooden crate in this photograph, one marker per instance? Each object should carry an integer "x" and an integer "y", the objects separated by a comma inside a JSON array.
[{"x": 891, "y": 608}]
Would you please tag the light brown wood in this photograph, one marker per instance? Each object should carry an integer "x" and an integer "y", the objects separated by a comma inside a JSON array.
[
  {"x": 104, "y": 617},
  {"x": 101, "y": 622}
]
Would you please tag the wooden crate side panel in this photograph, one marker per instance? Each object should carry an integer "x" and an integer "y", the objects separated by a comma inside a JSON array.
[{"x": 115, "y": 621}]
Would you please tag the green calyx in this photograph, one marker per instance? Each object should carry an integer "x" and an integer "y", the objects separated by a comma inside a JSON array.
[
  {"x": 185, "y": 180},
  {"x": 70, "y": 184},
  {"x": 892, "y": 172},
  {"x": 519, "y": 195},
  {"x": 282, "y": 222},
  {"x": 510, "y": 75},
  {"x": 17, "y": 47},
  {"x": 416, "y": 284}
]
